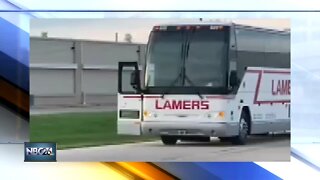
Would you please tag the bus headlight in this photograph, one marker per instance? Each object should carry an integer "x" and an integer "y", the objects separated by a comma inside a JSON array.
[
  {"x": 148, "y": 114},
  {"x": 217, "y": 115}
]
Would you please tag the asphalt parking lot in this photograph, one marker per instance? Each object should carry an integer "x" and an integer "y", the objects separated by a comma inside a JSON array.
[{"x": 259, "y": 148}]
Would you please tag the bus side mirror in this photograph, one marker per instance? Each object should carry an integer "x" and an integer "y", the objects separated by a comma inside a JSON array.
[
  {"x": 135, "y": 79},
  {"x": 233, "y": 78}
]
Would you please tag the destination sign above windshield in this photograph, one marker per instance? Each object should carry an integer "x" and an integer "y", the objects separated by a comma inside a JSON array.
[{"x": 189, "y": 27}]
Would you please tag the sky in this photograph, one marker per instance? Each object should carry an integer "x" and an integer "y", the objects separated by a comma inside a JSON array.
[
  {"x": 139, "y": 28},
  {"x": 167, "y": 4}
]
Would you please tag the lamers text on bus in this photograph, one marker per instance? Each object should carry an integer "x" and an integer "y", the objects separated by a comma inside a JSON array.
[
  {"x": 280, "y": 87},
  {"x": 182, "y": 104}
]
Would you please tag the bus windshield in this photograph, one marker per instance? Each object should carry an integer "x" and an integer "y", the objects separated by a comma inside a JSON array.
[{"x": 187, "y": 59}]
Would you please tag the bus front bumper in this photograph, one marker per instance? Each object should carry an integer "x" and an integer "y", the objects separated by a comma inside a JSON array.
[{"x": 208, "y": 129}]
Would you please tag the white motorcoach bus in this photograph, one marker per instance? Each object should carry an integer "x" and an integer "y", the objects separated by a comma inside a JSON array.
[{"x": 207, "y": 80}]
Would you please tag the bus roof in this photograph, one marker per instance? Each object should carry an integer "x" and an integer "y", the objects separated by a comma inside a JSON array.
[
  {"x": 197, "y": 24},
  {"x": 241, "y": 26}
]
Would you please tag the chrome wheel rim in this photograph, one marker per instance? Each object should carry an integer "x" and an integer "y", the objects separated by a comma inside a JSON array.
[{"x": 243, "y": 127}]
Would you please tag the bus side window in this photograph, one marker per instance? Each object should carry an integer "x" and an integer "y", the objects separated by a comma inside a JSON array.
[{"x": 232, "y": 52}]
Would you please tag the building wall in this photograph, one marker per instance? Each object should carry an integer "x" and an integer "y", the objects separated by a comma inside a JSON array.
[{"x": 74, "y": 72}]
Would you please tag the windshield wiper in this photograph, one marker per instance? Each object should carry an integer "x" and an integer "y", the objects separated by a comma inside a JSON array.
[
  {"x": 192, "y": 84},
  {"x": 166, "y": 91},
  {"x": 170, "y": 86},
  {"x": 184, "y": 56},
  {"x": 185, "y": 75},
  {"x": 174, "y": 82}
]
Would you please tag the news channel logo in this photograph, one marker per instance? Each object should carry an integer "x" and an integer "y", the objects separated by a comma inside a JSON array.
[{"x": 40, "y": 152}]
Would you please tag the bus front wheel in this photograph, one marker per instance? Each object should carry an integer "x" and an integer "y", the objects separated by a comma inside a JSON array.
[
  {"x": 224, "y": 139},
  {"x": 169, "y": 140},
  {"x": 243, "y": 130}
]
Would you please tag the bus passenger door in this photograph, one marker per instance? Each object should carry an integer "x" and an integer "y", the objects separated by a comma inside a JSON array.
[{"x": 129, "y": 99}]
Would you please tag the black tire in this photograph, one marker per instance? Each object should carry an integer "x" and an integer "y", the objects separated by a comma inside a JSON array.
[
  {"x": 224, "y": 139},
  {"x": 262, "y": 134},
  {"x": 169, "y": 140},
  {"x": 241, "y": 139},
  {"x": 194, "y": 139}
]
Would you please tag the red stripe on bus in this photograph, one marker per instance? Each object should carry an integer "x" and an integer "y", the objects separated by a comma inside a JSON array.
[
  {"x": 268, "y": 71},
  {"x": 220, "y": 97},
  {"x": 257, "y": 87},
  {"x": 273, "y": 102},
  {"x": 253, "y": 71},
  {"x": 150, "y": 97},
  {"x": 276, "y": 72},
  {"x": 141, "y": 96},
  {"x": 260, "y": 72},
  {"x": 133, "y": 97}
]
